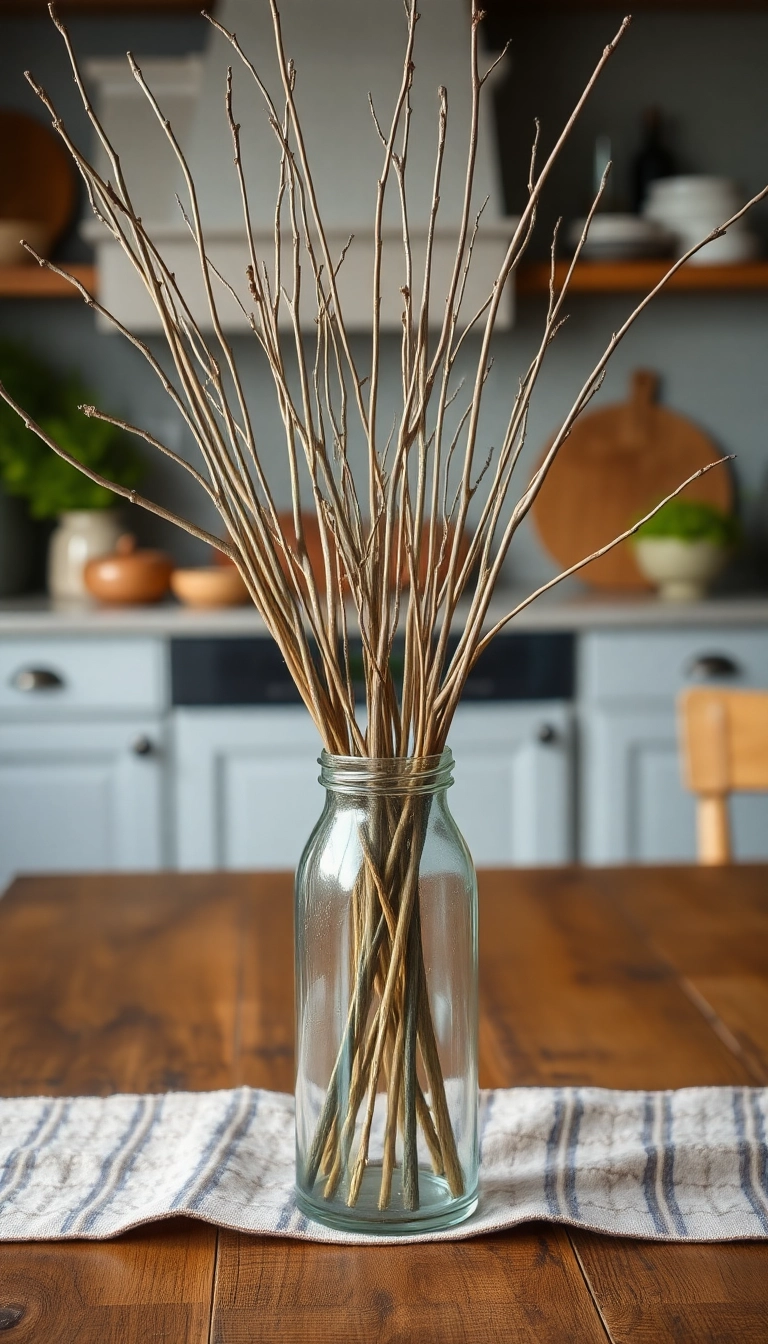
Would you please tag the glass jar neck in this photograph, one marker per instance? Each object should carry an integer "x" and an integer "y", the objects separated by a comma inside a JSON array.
[{"x": 390, "y": 776}]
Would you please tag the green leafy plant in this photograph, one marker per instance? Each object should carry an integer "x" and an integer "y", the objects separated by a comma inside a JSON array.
[
  {"x": 690, "y": 520},
  {"x": 27, "y": 468}
]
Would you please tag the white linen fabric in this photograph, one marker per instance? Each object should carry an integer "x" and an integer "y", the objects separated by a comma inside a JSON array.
[{"x": 688, "y": 1165}]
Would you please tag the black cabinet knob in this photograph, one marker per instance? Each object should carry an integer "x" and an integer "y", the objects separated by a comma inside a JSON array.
[
  {"x": 143, "y": 746},
  {"x": 547, "y": 734},
  {"x": 712, "y": 665},
  {"x": 37, "y": 679}
]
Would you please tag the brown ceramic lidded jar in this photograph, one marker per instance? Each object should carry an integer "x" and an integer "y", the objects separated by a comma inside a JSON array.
[{"x": 129, "y": 575}]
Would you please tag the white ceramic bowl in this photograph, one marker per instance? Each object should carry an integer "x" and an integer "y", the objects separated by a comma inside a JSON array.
[
  {"x": 620, "y": 236},
  {"x": 691, "y": 207},
  {"x": 670, "y": 211},
  {"x": 681, "y": 570},
  {"x": 730, "y": 248},
  {"x": 690, "y": 190}
]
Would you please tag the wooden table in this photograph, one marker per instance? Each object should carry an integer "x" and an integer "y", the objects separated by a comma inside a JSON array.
[{"x": 629, "y": 978}]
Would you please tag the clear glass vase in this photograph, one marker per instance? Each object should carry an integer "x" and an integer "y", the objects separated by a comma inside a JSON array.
[{"x": 386, "y": 1002}]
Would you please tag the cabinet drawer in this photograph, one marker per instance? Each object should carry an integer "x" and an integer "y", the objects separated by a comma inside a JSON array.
[
  {"x": 630, "y": 663},
  {"x": 51, "y": 677}
]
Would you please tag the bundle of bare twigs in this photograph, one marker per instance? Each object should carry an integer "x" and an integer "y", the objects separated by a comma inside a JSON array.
[{"x": 393, "y": 561}]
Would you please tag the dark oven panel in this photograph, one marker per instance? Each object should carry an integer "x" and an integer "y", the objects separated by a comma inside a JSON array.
[{"x": 235, "y": 671}]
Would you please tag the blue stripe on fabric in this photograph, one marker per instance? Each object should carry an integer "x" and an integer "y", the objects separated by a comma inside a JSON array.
[
  {"x": 208, "y": 1151},
  {"x": 745, "y": 1160},
  {"x": 128, "y": 1166},
  {"x": 286, "y": 1214},
  {"x": 762, "y": 1145},
  {"x": 210, "y": 1183},
  {"x": 651, "y": 1167},
  {"x": 31, "y": 1159},
  {"x": 15, "y": 1153},
  {"x": 572, "y": 1203},
  {"x": 106, "y": 1167},
  {"x": 550, "y": 1159},
  {"x": 668, "y": 1170}
]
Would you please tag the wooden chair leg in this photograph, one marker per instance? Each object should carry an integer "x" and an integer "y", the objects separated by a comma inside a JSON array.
[{"x": 713, "y": 826}]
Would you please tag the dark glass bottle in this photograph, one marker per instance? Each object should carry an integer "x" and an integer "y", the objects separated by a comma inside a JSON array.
[{"x": 653, "y": 160}]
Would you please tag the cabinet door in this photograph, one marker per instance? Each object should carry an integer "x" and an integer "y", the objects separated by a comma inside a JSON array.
[
  {"x": 81, "y": 796},
  {"x": 247, "y": 794},
  {"x": 636, "y": 809},
  {"x": 512, "y": 797}
]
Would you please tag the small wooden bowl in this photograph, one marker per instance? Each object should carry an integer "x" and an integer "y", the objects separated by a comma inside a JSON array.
[
  {"x": 128, "y": 577},
  {"x": 209, "y": 586},
  {"x": 38, "y": 235}
]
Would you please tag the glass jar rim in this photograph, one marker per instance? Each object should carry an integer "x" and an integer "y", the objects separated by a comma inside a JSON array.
[{"x": 391, "y": 775}]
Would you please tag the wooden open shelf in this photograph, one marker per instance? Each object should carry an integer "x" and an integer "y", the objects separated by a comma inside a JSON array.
[
  {"x": 35, "y": 282},
  {"x": 497, "y": 8},
  {"x": 513, "y": 7},
  {"x": 622, "y": 277},
  {"x": 590, "y": 277},
  {"x": 38, "y": 7}
]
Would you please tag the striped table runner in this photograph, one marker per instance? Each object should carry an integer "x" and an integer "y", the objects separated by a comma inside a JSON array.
[{"x": 688, "y": 1165}]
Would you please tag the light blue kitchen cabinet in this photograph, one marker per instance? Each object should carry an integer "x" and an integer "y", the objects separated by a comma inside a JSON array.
[
  {"x": 513, "y": 792},
  {"x": 247, "y": 794},
  {"x": 81, "y": 796},
  {"x": 83, "y": 765},
  {"x": 98, "y": 770},
  {"x": 633, "y": 805},
  {"x": 246, "y": 790}
]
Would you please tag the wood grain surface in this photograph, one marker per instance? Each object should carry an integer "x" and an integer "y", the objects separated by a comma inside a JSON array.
[{"x": 630, "y": 978}]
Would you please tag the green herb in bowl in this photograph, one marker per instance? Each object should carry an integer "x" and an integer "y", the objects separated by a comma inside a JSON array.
[
  {"x": 684, "y": 547},
  {"x": 691, "y": 520}
]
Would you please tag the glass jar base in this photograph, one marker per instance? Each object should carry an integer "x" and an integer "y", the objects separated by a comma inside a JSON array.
[{"x": 437, "y": 1207}]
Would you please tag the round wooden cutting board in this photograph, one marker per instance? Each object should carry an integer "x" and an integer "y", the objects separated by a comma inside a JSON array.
[{"x": 616, "y": 464}]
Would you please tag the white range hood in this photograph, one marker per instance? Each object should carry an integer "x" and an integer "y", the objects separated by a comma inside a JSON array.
[{"x": 342, "y": 49}]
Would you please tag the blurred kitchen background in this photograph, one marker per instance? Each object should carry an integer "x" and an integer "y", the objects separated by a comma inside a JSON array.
[{"x": 166, "y": 735}]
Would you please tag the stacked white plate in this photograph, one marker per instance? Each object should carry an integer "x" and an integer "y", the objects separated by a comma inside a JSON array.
[
  {"x": 690, "y": 207},
  {"x": 620, "y": 238}
]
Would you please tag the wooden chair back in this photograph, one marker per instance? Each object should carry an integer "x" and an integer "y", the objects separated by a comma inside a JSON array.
[{"x": 724, "y": 737}]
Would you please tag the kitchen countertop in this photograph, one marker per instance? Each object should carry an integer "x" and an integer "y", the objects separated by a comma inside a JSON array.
[{"x": 38, "y": 616}]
